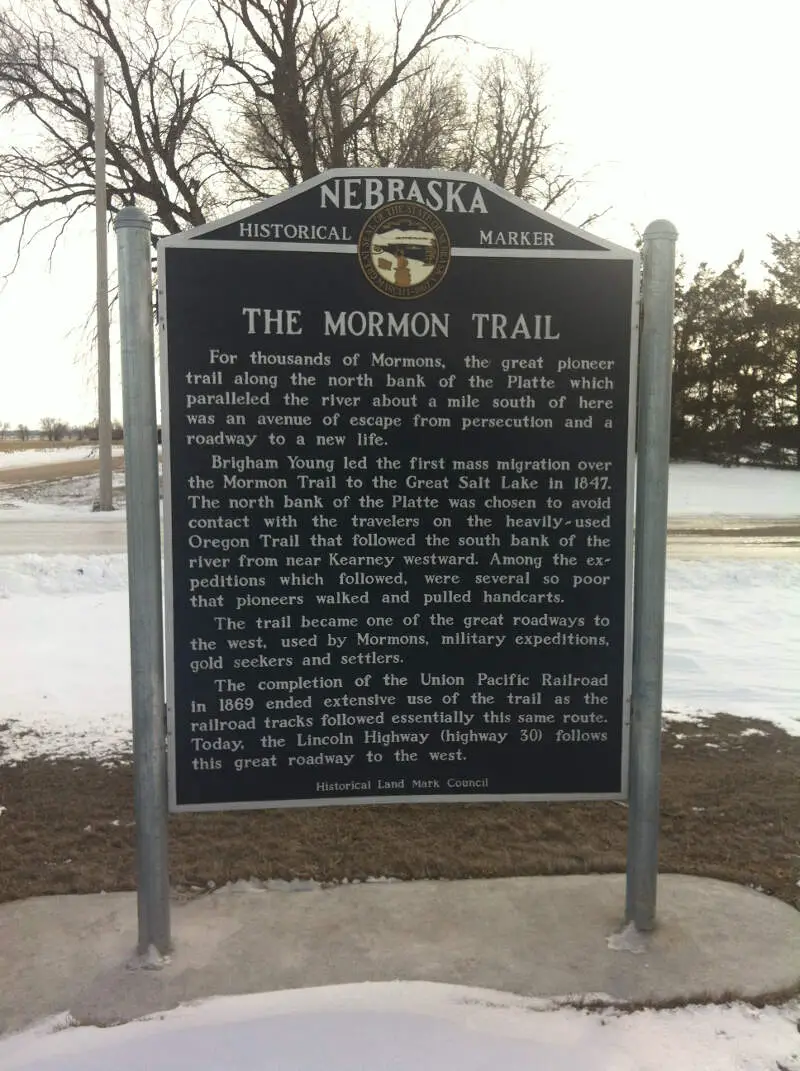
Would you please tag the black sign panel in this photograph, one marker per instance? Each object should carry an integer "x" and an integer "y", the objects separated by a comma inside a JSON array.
[{"x": 397, "y": 499}]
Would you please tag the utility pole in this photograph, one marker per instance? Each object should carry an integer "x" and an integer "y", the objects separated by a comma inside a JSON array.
[{"x": 104, "y": 500}]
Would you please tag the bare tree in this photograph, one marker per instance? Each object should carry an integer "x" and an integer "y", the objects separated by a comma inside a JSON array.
[
  {"x": 424, "y": 122},
  {"x": 214, "y": 103},
  {"x": 509, "y": 139},
  {"x": 310, "y": 83},
  {"x": 420, "y": 123},
  {"x": 4, "y": 428},
  {"x": 315, "y": 91},
  {"x": 158, "y": 101},
  {"x": 53, "y": 428},
  {"x": 23, "y": 432}
]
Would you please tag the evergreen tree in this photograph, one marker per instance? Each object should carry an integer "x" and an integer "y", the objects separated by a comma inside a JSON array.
[
  {"x": 711, "y": 333},
  {"x": 778, "y": 312},
  {"x": 735, "y": 382}
]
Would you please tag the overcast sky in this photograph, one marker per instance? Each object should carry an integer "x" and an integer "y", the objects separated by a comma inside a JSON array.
[{"x": 685, "y": 110}]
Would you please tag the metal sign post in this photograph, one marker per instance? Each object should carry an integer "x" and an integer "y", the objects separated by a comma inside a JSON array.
[
  {"x": 652, "y": 475},
  {"x": 144, "y": 578}
]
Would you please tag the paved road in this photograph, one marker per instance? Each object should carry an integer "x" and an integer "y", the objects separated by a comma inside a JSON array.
[
  {"x": 78, "y": 536},
  {"x": 771, "y": 538},
  {"x": 79, "y": 533}
]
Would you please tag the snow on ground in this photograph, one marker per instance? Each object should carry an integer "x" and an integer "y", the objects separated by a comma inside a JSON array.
[
  {"x": 732, "y": 636},
  {"x": 695, "y": 489},
  {"x": 55, "y": 455},
  {"x": 700, "y": 490},
  {"x": 62, "y": 574},
  {"x": 79, "y": 492},
  {"x": 416, "y": 1026},
  {"x": 732, "y": 625},
  {"x": 731, "y": 641},
  {"x": 66, "y": 659}
]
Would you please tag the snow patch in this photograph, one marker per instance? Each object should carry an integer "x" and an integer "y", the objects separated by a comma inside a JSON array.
[
  {"x": 151, "y": 960},
  {"x": 18, "y": 510},
  {"x": 62, "y": 574},
  {"x": 629, "y": 939},
  {"x": 257, "y": 885},
  {"x": 66, "y": 675},
  {"x": 415, "y": 1026}
]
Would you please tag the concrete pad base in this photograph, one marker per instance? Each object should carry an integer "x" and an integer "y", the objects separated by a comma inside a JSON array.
[{"x": 541, "y": 936}]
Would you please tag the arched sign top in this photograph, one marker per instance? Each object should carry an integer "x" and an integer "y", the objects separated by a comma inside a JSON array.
[{"x": 330, "y": 211}]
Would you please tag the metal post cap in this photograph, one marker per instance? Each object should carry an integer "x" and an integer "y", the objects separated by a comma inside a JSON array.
[
  {"x": 661, "y": 228},
  {"x": 132, "y": 216}
]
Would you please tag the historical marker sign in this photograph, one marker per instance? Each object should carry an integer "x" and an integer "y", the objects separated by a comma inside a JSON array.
[{"x": 398, "y": 440}]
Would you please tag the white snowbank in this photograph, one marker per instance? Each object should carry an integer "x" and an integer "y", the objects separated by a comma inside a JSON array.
[
  {"x": 22, "y": 459},
  {"x": 698, "y": 490},
  {"x": 731, "y": 642},
  {"x": 66, "y": 669},
  {"x": 732, "y": 636},
  {"x": 415, "y": 1026},
  {"x": 62, "y": 574}
]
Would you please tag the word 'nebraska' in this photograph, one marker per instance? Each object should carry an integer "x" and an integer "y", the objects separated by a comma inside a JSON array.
[{"x": 440, "y": 195}]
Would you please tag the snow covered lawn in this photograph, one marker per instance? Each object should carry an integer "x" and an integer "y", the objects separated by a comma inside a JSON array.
[
  {"x": 732, "y": 626},
  {"x": 699, "y": 490},
  {"x": 416, "y": 1026},
  {"x": 732, "y": 636}
]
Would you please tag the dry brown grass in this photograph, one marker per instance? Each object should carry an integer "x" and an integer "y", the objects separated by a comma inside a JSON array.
[
  {"x": 731, "y": 811},
  {"x": 8, "y": 446}
]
